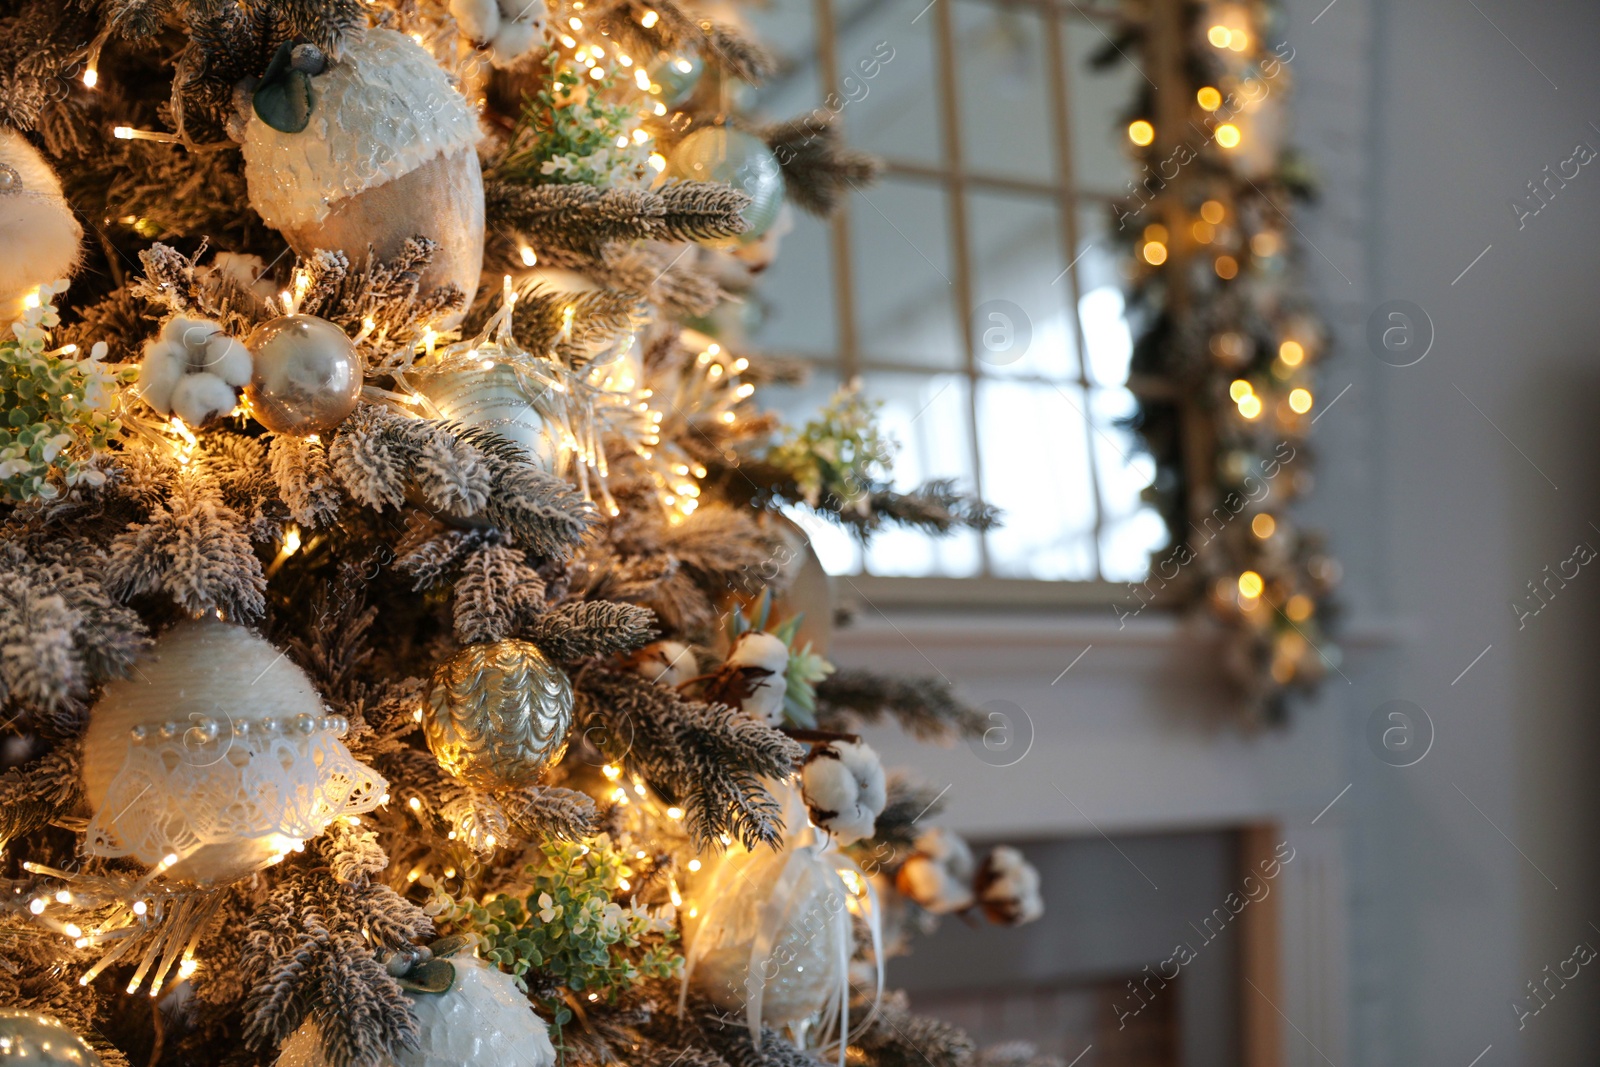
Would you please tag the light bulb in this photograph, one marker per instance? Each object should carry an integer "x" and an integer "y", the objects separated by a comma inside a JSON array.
[
  {"x": 1250, "y": 585},
  {"x": 1141, "y": 132}
]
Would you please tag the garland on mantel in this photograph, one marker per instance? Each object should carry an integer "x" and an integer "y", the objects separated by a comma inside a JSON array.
[{"x": 1224, "y": 362}]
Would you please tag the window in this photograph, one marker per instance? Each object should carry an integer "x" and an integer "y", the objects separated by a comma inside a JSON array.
[{"x": 974, "y": 289}]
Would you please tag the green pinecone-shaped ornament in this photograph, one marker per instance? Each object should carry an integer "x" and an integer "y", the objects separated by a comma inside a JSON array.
[{"x": 498, "y": 714}]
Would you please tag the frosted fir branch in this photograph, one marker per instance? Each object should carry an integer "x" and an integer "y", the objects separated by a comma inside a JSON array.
[
  {"x": 243, "y": 476},
  {"x": 368, "y": 456},
  {"x": 305, "y": 480},
  {"x": 659, "y": 270},
  {"x": 194, "y": 550},
  {"x": 708, "y": 759},
  {"x": 387, "y": 294},
  {"x": 429, "y": 552},
  {"x": 700, "y": 211},
  {"x": 896, "y": 1037},
  {"x": 927, "y": 708},
  {"x": 542, "y": 513},
  {"x": 495, "y": 592},
  {"x": 539, "y": 812},
  {"x": 61, "y": 631},
  {"x": 575, "y": 632},
  {"x": 935, "y": 506},
  {"x": 308, "y": 952},
  {"x": 38, "y": 40},
  {"x": 34, "y": 794},
  {"x": 585, "y": 218},
  {"x": 569, "y": 325},
  {"x": 735, "y": 54},
  {"x": 897, "y": 826},
  {"x": 819, "y": 170}
]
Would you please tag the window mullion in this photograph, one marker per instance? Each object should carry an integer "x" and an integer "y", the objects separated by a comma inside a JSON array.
[{"x": 950, "y": 122}]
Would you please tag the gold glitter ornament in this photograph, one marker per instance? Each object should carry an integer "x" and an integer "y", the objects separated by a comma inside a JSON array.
[{"x": 498, "y": 714}]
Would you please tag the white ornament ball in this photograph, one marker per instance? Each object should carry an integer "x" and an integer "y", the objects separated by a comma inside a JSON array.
[
  {"x": 218, "y": 751},
  {"x": 38, "y": 231},
  {"x": 307, "y": 375},
  {"x": 844, "y": 788},
  {"x": 768, "y": 682},
  {"x": 481, "y": 1019},
  {"x": 389, "y": 153},
  {"x": 808, "y": 929},
  {"x": 193, "y": 370}
]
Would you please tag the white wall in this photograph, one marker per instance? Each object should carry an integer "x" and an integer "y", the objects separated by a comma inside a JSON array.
[{"x": 1433, "y": 881}]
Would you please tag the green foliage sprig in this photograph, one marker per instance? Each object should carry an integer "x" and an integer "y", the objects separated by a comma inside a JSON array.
[
  {"x": 569, "y": 926},
  {"x": 58, "y": 411},
  {"x": 569, "y": 133},
  {"x": 839, "y": 458}
]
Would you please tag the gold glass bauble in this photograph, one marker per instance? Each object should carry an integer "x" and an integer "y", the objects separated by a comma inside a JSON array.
[
  {"x": 498, "y": 714},
  {"x": 307, "y": 375}
]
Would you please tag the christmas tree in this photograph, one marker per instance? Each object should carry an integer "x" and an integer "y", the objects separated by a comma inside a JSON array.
[{"x": 406, "y": 655}]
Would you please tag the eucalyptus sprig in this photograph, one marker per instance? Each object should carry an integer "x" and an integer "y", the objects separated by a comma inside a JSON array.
[
  {"x": 570, "y": 928},
  {"x": 58, "y": 411},
  {"x": 569, "y": 132},
  {"x": 839, "y": 458}
]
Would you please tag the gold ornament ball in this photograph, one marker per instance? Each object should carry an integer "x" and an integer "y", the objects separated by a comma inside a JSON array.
[
  {"x": 307, "y": 375},
  {"x": 498, "y": 714},
  {"x": 41, "y": 1040}
]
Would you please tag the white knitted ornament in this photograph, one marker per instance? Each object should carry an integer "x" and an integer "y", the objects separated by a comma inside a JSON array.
[
  {"x": 38, "y": 231},
  {"x": 389, "y": 153}
]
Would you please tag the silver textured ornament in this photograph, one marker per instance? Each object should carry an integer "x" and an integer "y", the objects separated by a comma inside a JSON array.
[
  {"x": 739, "y": 159},
  {"x": 35, "y": 1038},
  {"x": 498, "y": 714},
  {"x": 307, "y": 375},
  {"x": 491, "y": 395}
]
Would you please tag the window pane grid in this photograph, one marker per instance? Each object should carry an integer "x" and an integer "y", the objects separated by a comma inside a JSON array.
[{"x": 913, "y": 255}]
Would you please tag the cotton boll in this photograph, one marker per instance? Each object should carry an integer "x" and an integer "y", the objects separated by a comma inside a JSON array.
[
  {"x": 478, "y": 19},
  {"x": 938, "y": 875},
  {"x": 198, "y": 397},
  {"x": 844, "y": 789},
  {"x": 193, "y": 369},
  {"x": 228, "y": 359},
  {"x": 761, "y": 660},
  {"x": 38, "y": 230},
  {"x": 668, "y": 663},
  {"x": 515, "y": 40},
  {"x": 1008, "y": 888},
  {"x": 159, "y": 374}
]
